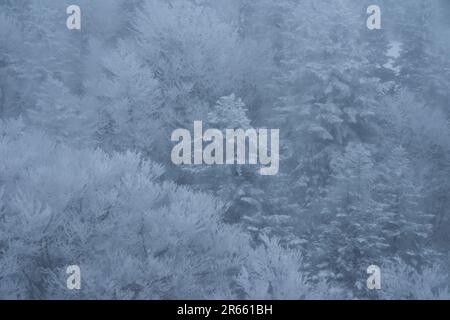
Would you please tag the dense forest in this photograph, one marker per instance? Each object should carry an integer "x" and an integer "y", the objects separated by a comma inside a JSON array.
[{"x": 86, "y": 178}]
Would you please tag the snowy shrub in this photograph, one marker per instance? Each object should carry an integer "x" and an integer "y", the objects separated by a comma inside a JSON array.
[{"x": 401, "y": 281}]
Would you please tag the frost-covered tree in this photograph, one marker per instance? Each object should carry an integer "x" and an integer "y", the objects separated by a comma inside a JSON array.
[
  {"x": 404, "y": 282},
  {"x": 128, "y": 100},
  {"x": 11, "y": 60},
  {"x": 133, "y": 235}
]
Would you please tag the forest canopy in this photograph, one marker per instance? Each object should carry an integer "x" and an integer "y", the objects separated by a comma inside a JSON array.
[{"x": 86, "y": 176}]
